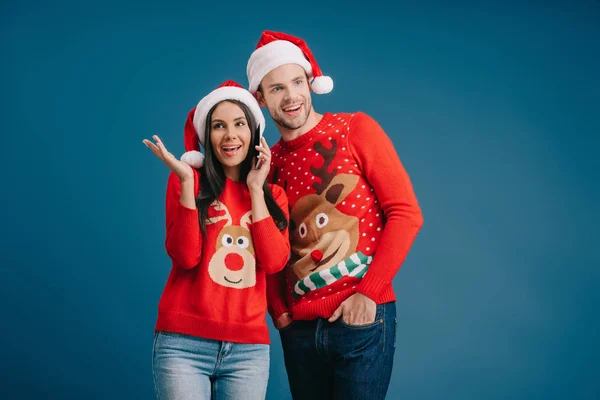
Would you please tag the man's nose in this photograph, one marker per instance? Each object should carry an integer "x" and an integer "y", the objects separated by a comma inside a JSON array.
[{"x": 290, "y": 93}]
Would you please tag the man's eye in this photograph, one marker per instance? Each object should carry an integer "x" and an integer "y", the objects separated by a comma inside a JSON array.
[
  {"x": 275, "y": 89},
  {"x": 299, "y": 81}
]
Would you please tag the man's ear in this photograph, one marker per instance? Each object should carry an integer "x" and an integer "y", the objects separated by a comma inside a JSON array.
[{"x": 259, "y": 97}]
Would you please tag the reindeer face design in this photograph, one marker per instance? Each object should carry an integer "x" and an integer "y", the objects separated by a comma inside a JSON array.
[
  {"x": 322, "y": 236},
  {"x": 233, "y": 264}
]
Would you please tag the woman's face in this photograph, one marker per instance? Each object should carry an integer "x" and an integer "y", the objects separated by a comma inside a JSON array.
[{"x": 230, "y": 137}]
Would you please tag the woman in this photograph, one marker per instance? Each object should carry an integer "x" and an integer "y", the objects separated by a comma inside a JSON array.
[{"x": 226, "y": 229}]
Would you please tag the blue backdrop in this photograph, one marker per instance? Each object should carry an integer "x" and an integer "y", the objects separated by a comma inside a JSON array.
[{"x": 494, "y": 110}]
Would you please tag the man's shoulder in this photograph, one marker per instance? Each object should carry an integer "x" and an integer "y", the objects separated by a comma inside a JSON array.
[
  {"x": 362, "y": 121},
  {"x": 353, "y": 117},
  {"x": 339, "y": 115}
]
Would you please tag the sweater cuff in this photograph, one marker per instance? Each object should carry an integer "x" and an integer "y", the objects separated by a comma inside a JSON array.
[
  {"x": 372, "y": 286},
  {"x": 277, "y": 310},
  {"x": 187, "y": 217}
]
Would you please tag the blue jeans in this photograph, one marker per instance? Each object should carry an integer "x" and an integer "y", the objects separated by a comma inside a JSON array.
[
  {"x": 192, "y": 368},
  {"x": 338, "y": 361}
]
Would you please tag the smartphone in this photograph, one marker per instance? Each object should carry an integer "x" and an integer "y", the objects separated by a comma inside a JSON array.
[{"x": 257, "y": 143}]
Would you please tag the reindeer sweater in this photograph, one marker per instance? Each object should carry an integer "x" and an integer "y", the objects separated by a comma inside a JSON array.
[
  {"x": 217, "y": 286},
  {"x": 353, "y": 216}
]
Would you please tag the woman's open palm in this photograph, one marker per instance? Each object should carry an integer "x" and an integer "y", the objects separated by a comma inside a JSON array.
[{"x": 181, "y": 169}]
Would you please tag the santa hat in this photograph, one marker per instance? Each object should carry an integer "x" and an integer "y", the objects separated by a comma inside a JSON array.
[
  {"x": 275, "y": 49},
  {"x": 194, "y": 133}
]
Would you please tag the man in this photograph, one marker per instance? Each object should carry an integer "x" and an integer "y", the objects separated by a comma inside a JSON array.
[{"x": 353, "y": 218}]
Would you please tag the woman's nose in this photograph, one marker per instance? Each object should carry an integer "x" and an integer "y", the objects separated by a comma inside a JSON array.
[{"x": 230, "y": 134}]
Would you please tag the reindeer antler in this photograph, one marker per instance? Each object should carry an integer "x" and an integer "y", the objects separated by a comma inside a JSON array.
[
  {"x": 246, "y": 220},
  {"x": 328, "y": 156},
  {"x": 218, "y": 206}
]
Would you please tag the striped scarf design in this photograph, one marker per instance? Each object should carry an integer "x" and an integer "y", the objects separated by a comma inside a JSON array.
[{"x": 356, "y": 265}]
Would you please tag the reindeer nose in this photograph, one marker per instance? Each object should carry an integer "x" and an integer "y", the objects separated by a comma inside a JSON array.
[
  {"x": 234, "y": 262},
  {"x": 316, "y": 255}
]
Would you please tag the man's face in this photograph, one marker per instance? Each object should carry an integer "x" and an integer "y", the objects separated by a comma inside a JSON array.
[{"x": 286, "y": 94}]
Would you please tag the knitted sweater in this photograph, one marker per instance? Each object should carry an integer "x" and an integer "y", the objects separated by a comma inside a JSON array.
[
  {"x": 217, "y": 285},
  {"x": 353, "y": 216}
]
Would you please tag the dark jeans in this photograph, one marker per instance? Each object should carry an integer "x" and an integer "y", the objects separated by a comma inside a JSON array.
[{"x": 337, "y": 361}]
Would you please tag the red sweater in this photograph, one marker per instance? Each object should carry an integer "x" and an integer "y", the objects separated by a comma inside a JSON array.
[
  {"x": 217, "y": 285},
  {"x": 353, "y": 218}
]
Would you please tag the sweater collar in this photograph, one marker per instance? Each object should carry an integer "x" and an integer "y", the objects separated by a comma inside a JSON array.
[{"x": 306, "y": 137}]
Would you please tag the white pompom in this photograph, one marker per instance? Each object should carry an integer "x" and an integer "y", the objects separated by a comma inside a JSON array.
[
  {"x": 322, "y": 85},
  {"x": 193, "y": 158}
]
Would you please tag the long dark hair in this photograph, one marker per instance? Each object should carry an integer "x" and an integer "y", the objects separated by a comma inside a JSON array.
[{"x": 212, "y": 176}]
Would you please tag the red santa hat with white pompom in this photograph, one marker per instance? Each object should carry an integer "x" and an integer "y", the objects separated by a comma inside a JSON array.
[
  {"x": 275, "y": 49},
  {"x": 194, "y": 132}
]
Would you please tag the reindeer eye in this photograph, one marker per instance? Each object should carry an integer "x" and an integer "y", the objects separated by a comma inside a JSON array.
[
  {"x": 302, "y": 231},
  {"x": 243, "y": 242},
  {"x": 322, "y": 219},
  {"x": 227, "y": 240}
]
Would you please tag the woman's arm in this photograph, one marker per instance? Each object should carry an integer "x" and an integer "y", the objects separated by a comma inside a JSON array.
[{"x": 183, "y": 242}]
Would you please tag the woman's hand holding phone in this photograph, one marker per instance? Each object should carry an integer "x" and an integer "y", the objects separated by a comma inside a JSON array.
[{"x": 258, "y": 175}]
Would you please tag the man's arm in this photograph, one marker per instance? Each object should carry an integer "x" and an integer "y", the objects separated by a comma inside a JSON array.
[{"x": 377, "y": 159}]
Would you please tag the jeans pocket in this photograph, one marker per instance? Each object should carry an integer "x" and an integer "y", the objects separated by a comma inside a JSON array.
[
  {"x": 378, "y": 320},
  {"x": 287, "y": 327}
]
